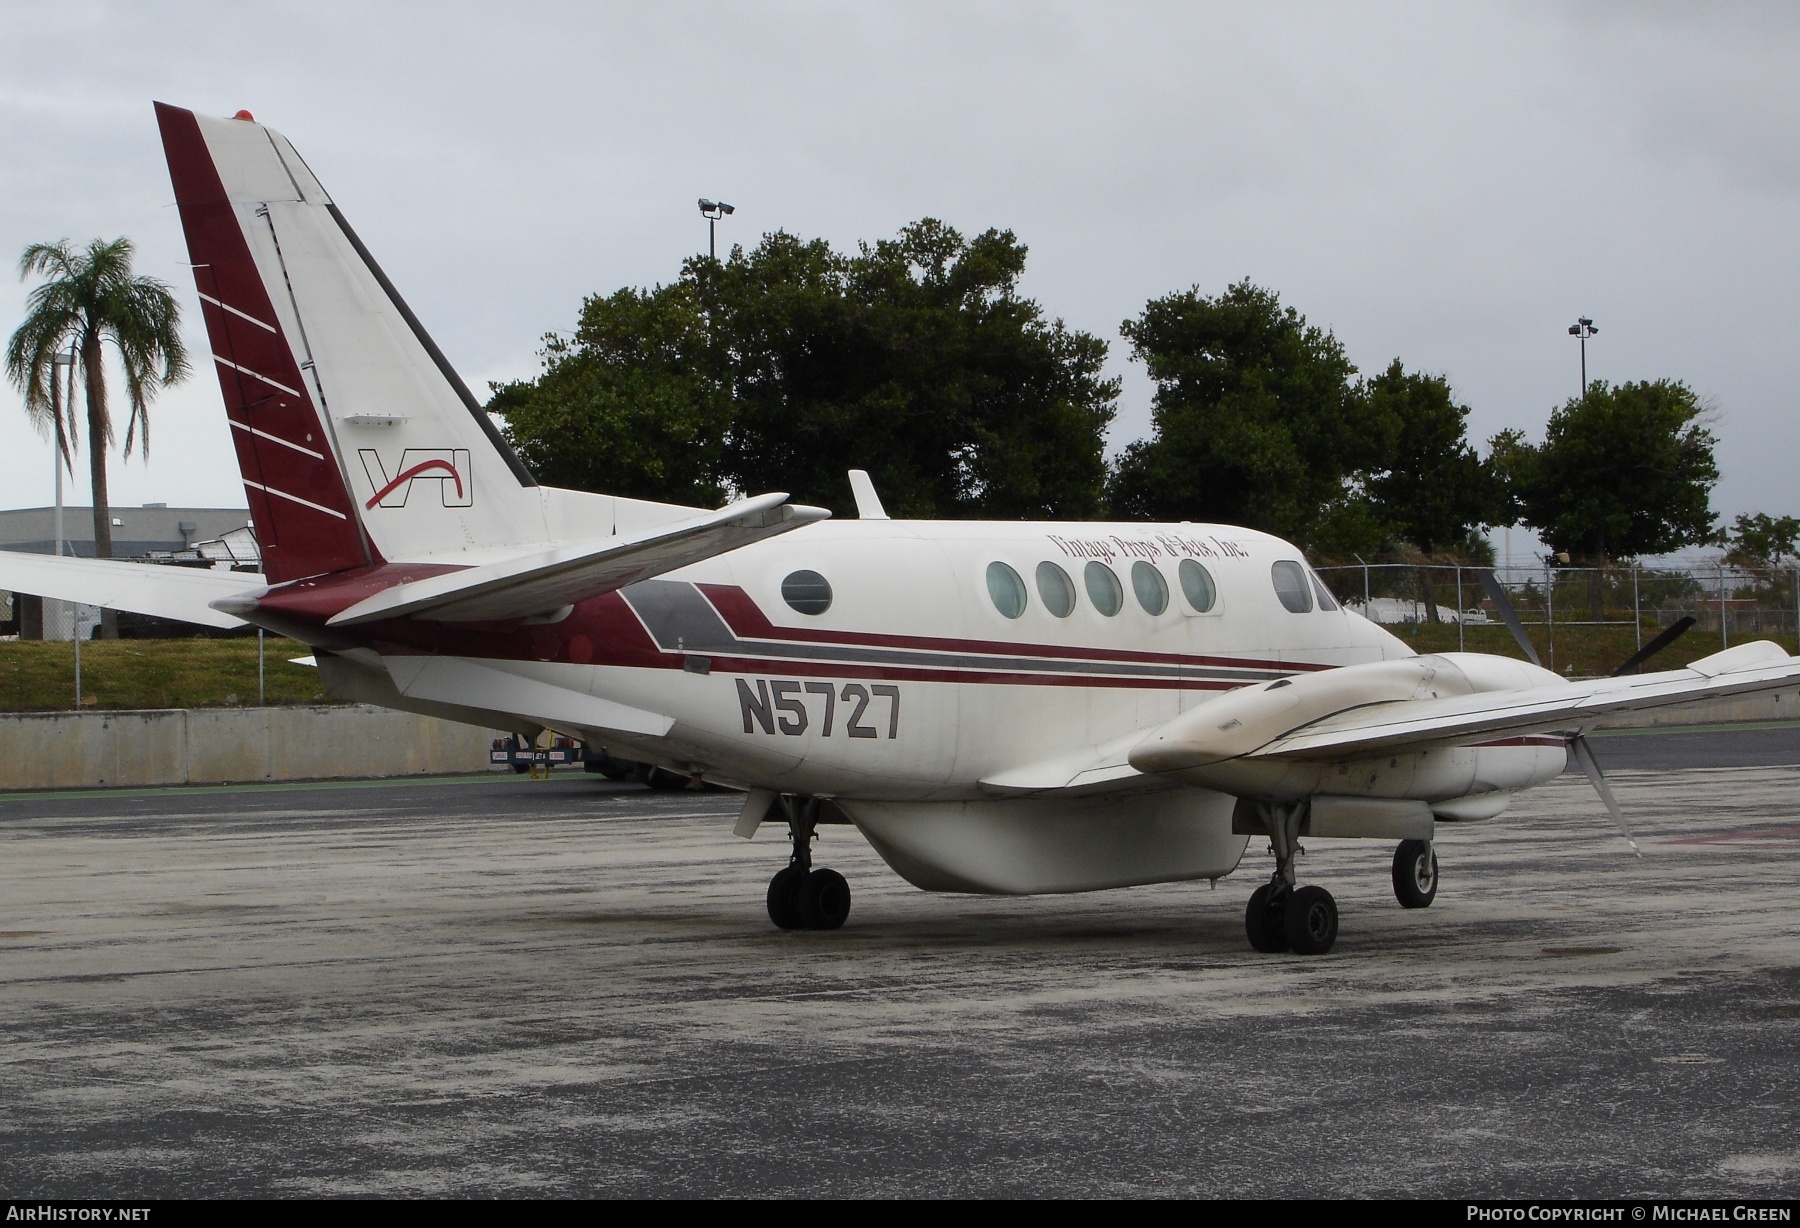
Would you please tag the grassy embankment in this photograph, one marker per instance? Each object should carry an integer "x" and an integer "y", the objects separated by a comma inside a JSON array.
[
  {"x": 202, "y": 673},
  {"x": 193, "y": 673},
  {"x": 1590, "y": 650}
]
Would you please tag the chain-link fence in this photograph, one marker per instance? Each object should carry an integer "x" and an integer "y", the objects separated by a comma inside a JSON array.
[{"x": 1729, "y": 604}]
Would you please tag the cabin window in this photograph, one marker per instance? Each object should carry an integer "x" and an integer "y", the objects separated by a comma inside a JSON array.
[
  {"x": 1291, "y": 586},
  {"x": 1103, "y": 587},
  {"x": 1326, "y": 600},
  {"x": 1151, "y": 589},
  {"x": 1007, "y": 590},
  {"x": 1057, "y": 590},
  {"x": 807, "y": 592},
  {"x": 1197, "y": 586}
]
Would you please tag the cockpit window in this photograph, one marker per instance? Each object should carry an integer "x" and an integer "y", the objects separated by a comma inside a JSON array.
[
  {"x": 1103, "y": 588},
  {"x": 1006, "y": 589},
  {"x": 1151, "y": 589},
  {"x": 1057, "y": 590},
  {"x": 807, "y": 591},
  {"x": 1291, "y": 586},
  {"x": 1326, "y": 601}
]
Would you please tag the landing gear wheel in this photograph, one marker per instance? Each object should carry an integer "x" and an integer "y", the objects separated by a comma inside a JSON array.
[
  {"x": 784, "y": 898},
  {"x": 1264, "y": 922},
  {"x": 1415, "y": 874},
  {"x": 1311, "y": 921},
  {"x": 824, "y": 900}
]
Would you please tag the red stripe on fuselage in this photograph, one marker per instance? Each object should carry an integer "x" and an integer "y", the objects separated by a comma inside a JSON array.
[{"x": 746, "y": 619}]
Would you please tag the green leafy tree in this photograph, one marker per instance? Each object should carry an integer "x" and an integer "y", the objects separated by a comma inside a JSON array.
[
  {"x": 1432, "y": 490},
  {"x": 631, "y": 405},
  {"x": 89, "y": 297},
  {"x": 1256, "y": 420},
  {"x": 781, "y": 368},
  {"x": 1761, "y": 541},
  {"x": 1623, "y": 471}
]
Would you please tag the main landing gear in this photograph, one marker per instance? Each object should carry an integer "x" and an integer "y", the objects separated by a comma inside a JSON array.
[
  {"x": 1282, "y": 916},
  {"x": 1415, "y": 874},
  {"x": 800, "y": 897}
]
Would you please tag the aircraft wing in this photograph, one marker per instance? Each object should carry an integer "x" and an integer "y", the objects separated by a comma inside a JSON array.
[
  {"x": 163, "y": 591},
  {"x": 546, "y": 580},
  {"x": 1420, "y": 724},
  {"x": 1363, "y": 711}
]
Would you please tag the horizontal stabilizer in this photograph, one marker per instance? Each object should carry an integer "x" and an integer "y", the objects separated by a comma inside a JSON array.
[
  {"x": 1571, "y": 707},
  {"x": 544, "y": 581},
  {"x": 452, "y": 680},
  {"x": 159, "y": 590}
]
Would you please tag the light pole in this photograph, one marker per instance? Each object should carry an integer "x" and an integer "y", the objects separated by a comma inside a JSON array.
[
  {"x": 712, "y": 211},
  {"x": 1583, "y": 328}
]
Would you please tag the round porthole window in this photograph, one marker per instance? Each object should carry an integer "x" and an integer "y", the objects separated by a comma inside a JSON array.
[
  {"x": 1057, "y": 590},
  {"x": 1197, "y": 586},
  {"x": 807, "y": 592},
  {"x": 1151, "y": 589},
  {"x": 1103, "y": 588},
  {"x": 1006, "y": 589}
]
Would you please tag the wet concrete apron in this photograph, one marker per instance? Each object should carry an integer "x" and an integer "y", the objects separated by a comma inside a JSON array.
[{"x": 499, "y": 986}]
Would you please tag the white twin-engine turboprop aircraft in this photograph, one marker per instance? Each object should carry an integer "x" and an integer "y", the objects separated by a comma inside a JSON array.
[{"x": 998, "y": 707}]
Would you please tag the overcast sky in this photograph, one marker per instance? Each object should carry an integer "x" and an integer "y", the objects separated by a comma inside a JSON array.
[{"x": 1449, "y": 184}]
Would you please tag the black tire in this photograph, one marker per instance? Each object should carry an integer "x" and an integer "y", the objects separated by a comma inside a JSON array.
[
  {"x": 1264, "y": 923},
  {"x": 519, "y": 769},
  {"x": 666, "y": 781},
  {"x": 1311, "y": 921},
  {"x": 824, "y": 900},
  {"x": 784, "y": 898},
  {"x": 1415, "y": 874},
  {"x": 613, "y": 769}
]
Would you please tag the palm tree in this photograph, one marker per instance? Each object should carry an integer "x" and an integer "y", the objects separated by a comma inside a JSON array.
[{"x": 91, "y": 296}]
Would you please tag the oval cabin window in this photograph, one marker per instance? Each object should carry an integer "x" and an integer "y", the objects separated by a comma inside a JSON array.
[
  {"x": 1291, "y": 586},
  {"x": 1151, "y": 589},
  {"x": 1056, "y": 589},
  {"x": 807, "y": 592},
  {"x": 1103, "y": 587},
  {"x": 1197, "y": 586},
  {"x": 1006, "y": 589}
]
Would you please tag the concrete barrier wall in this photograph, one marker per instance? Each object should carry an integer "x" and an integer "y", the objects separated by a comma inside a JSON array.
[
  {"x": 175, "y": 746},
  {"x": 1781, "y": 706}
]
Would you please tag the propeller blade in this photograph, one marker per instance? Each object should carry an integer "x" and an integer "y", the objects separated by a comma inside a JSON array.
[
  {"x": 1503, "y": 607},
  {"x": 1655, "y": 646},
  {"x": 1584, "y": 755}
]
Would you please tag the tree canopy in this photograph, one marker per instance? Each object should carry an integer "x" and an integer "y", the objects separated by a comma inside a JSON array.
[
  {"x": 89, "y": 296},
  {"x": 1256, "y": 420},
  {"x": 1762, "y": 541},
  {"x": 1623, "y": 471},
  {"x": 1431, "y": 489},
  {"x": 779, "y": 369}
]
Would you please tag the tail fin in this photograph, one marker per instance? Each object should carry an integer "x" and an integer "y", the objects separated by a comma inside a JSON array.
[{"x": 356, "y": 439}]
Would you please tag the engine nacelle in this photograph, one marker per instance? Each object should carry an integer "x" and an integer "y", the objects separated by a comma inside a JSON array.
[{"x": 1206, "y": 745}]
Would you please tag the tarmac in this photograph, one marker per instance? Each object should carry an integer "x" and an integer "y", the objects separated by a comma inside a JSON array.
[{"x": 496, "y": 986}]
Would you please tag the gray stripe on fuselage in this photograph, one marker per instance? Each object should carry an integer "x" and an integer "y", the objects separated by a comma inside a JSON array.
[{"x": 681, "y": 619}]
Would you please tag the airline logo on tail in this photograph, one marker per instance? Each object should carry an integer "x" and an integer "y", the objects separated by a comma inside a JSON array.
[{"x": 448, "y": 468}]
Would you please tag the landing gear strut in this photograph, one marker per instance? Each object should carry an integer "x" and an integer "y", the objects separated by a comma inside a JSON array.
[
  {"x": 1282, "y": 916},
  {"x": 801, "y": 897},
  {"x": 1415, "y": 874}
]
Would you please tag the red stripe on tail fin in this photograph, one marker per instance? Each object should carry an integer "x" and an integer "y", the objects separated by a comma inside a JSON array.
[{"x": 306, "y": 520}]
